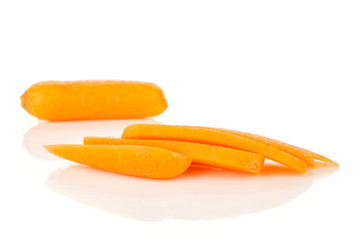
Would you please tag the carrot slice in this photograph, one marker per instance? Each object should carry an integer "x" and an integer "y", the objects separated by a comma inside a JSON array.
[
  {"x": 90, "y": 100},
  {"x": 298, "y": 152},
  {"x": 204, "y": 154},
  {"x": 138, "y": 161},
  {"x": 212, "y": 137},
  {"x": 323, "y": 159},
  {"x": 325, "y": 164},
  {"x": 276, "y": 144}
]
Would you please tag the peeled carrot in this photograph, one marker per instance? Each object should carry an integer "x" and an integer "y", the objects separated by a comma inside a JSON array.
[
  {"x": 306, "y": 155},
  {"x": 204, "y": 154},
  {"x": 327, "y": 162},
  {"x": 90, "y": 100},
  {"x": 141, "y": 161},
  {"x": 276, "y": 144},
  {"x": 212, "y": 137}
]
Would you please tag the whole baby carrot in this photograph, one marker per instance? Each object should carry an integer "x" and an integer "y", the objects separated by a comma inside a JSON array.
[{"x": 90, "y": 100}]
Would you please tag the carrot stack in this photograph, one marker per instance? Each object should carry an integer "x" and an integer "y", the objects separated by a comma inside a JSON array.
[{"x": 165, "y": 151}]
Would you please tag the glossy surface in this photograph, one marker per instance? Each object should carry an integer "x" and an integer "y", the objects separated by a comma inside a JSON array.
[{"x": 93, "y": 100}]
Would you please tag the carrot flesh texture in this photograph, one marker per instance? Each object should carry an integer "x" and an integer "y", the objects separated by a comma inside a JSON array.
[
  {"x": 141, "y": 161},
  {"x": 204, "y": 154},
  {"x": 90, "y": 100},
  {"x": 212, "y": 137},
  {"x": 298, "y": 152}
]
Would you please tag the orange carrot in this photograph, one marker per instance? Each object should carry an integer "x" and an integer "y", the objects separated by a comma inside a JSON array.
[
  {"x": 204, "y": 154},
  {"x": 141, "y": 161},
  {"x": 298, "y": 152},
  {"x": 328, "y": 162},
  {"x": 212, "y": 137},
  {"x": 89, "y": 100},
  {"x": 276, "y": 144},
  {"x": 325, "y": 164}
]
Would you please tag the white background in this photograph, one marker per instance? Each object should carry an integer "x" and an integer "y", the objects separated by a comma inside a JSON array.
[{"x": 283, "y": 69}]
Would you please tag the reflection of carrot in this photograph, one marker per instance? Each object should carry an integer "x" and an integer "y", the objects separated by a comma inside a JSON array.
[
  {"x": 214, "y": 156},
  {"x": 88, "y": 100},
  {"x": 213, "y": 137},
  {"x": 298, "y": 152},
  {"x": 139, "y": 161}
]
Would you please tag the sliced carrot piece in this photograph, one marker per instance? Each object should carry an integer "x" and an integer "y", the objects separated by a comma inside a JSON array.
[
  {"x": 325, "y": 164},
  {"x": 141, "y": 161},
  {"x": 212, "y": 137},
  {"x": 89, "y": 100},
  {"x": 298, "y": 152},
  {"x": 321, "y": 158},
  {"x": 204, "y": 154}
]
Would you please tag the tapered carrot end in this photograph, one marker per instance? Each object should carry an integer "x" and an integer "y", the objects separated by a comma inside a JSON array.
[
  {"x": 326, "y": 164},
  {"x": 335, "y": 164},
  {"x": 54, "y": 149},
  {"x": 48, "y": 147},
  {"x": 140, "y": 161}
]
